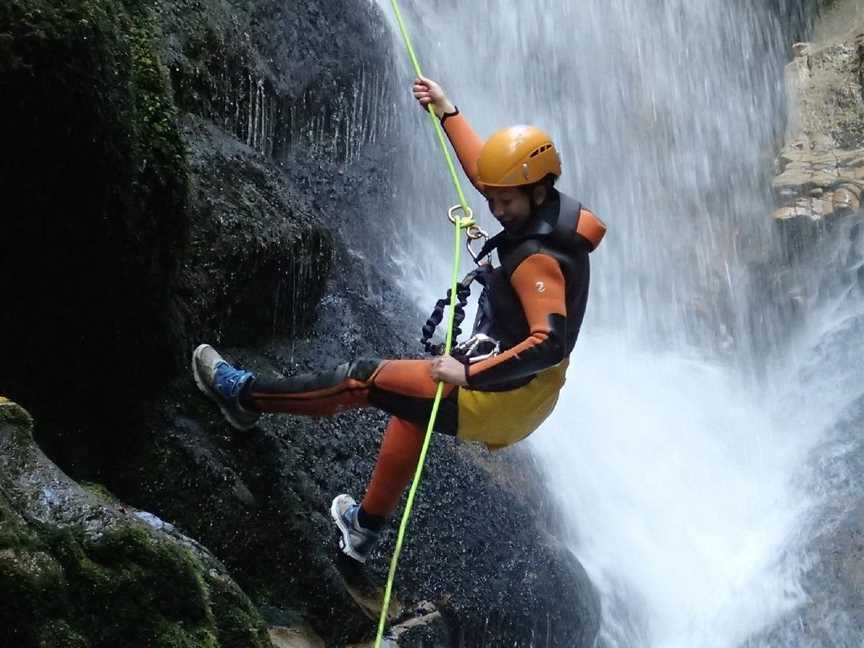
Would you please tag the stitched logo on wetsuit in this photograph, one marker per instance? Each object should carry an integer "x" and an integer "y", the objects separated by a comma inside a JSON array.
[{"x": 541, "y": 287}]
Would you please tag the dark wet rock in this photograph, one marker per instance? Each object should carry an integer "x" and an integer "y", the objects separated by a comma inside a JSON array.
[
  {"x": 94, "y": 185},
  {"x": 281, "y": 78},
  {"x": 258, "y": 256},
  {"x": 77, "y": 569}
]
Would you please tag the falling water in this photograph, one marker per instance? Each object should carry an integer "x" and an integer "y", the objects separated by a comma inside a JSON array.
[{"x": 682, "y": 447}]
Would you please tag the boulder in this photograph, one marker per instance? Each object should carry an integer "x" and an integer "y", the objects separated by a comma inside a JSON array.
[{"x": 80, "y": 569}]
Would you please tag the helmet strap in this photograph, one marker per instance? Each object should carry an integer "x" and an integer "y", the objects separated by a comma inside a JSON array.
[{"x": 529, "y": 191}]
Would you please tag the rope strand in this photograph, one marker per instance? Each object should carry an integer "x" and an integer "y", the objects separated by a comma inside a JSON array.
[{"x": 458, "y": 225}]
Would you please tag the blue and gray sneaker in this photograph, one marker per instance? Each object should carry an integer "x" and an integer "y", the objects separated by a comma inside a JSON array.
[
  {"x": 356, "y": 541},
  {"x": 223, "y": 383}
]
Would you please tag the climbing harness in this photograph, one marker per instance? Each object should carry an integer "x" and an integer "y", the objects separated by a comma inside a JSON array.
[
  {"x": 460, "y": 222},
  {"x": 479, "y": 346},
  {"x": 463, "y": 291}
]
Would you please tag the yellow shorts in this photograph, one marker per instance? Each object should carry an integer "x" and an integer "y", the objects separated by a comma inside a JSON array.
[{"x": 499, "y": 419}]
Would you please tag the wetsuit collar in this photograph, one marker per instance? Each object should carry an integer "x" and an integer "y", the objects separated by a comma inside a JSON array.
[{"x": 544, "y": 218}]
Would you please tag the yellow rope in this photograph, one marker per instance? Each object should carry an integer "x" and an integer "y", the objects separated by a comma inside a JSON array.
[{"x": 459, "y": 223}]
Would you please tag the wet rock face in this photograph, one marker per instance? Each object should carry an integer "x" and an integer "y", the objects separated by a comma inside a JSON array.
[
  {"x": 134, "y": 231},
  {"x": 258, "y": 256},
  {"x": 821, "y": 167},
  {"x": 94, "y": 205},
  {"x": 283, "y": 79},
  {"x": 831, "y": 571},
  {"x": 80, "y": 570},
  {"x": 833, "y": 581}
]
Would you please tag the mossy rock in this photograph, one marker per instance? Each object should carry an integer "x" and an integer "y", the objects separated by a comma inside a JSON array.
[
  {"x": 129, "y": 587},
  {"x": 58, "y": 633},
  {"x": 14, "y": 414},
  {"x": 92, "y": 574}
]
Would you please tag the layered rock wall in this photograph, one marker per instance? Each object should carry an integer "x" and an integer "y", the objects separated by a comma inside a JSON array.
[{"x": 821, "y": 166}]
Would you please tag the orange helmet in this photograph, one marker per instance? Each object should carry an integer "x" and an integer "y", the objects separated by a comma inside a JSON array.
[{"x": 517, "y": 156}]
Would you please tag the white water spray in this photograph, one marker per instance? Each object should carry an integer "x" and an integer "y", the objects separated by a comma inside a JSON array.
[{"x": 676, "y": 448}]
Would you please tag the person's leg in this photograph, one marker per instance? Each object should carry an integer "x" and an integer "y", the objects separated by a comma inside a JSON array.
[
  {"x": 397, "y": 461},
  {"x": 360, "y": 524},
  {"x": 243, "y": 397},
  {"x": 314, "y": 394},
  {"x": 404, "y": 388}
]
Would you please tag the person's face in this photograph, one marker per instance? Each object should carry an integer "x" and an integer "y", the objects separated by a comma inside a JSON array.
[{"x": 512, "y": 206}]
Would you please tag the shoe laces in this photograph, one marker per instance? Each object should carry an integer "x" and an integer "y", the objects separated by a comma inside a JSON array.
[{"x": 230, "y": 381}]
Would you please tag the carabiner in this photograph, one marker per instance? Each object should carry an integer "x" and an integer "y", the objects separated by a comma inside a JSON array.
[
  {"x": 474, "y": 233},
  {"x": 476, "y": 348},
  {"x": 464, "y": 221}
]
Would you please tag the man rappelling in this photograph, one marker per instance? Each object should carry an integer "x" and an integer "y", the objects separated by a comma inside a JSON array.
[{"x": 498, "y": 392}]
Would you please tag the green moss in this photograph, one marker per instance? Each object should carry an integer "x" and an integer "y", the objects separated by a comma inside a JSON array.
[
  {"x": 99, "y": 491},
  {"x": 13, "y": 531},
  {"x": 175, "y": 636},
  {"x": 155, "y": 116},
  {"x": 13, "y": 414},
  {"x": 131, "y": 581},
  {"x": 57, "y": 633},
  {"x": 238, "y": 625},
  {"x": 137, "y": 581},
  {"x": 31, "y": 589},
  {"x": 127, "y": 582}
]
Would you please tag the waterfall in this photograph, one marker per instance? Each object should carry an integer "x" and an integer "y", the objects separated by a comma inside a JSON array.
[{"x": 685, "y": 448}]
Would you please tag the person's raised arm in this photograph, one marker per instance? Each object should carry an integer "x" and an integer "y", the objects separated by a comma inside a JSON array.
[{"x": 465, "y": 141}]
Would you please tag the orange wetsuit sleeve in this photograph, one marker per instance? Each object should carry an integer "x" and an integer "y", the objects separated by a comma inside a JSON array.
[
  {"x": 466, "y": 142},
  {"x": 539, "y": 283}
]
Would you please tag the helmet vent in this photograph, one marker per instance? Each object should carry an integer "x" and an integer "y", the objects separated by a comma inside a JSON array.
[{"x": 540, "y": 150}]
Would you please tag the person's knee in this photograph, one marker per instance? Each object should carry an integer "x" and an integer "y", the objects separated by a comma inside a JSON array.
[
  {"x": 313, "y": 381},
  {"x": 362, "y": 369}
]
